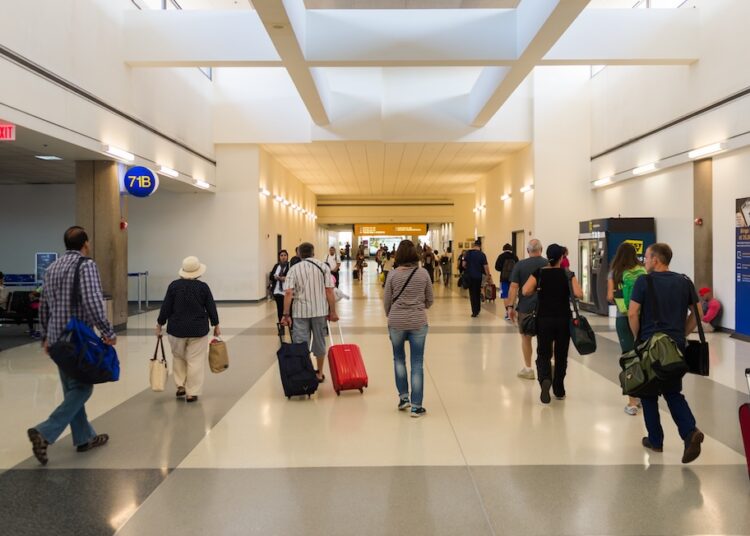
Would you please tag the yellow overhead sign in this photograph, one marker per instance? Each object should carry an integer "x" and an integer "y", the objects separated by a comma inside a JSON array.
[
  {"x": 390, "y": 229},
  {"x": 637, "y": 244}
]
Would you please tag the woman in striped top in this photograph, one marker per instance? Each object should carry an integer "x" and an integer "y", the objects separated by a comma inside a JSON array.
[{"x": 408, "y": 295}]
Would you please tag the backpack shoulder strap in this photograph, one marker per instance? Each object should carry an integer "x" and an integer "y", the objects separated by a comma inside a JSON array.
[
  {"x": 694, "y": 308},
  {"x": 652, "y": 298},
  {"x": 75, "y": 292}
]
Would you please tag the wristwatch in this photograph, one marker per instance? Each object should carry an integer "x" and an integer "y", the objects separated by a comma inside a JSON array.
[{"x": 286, "y": 315}]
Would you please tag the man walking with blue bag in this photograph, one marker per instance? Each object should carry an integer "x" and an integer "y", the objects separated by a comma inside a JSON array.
[{"x": 56, "y": 310}]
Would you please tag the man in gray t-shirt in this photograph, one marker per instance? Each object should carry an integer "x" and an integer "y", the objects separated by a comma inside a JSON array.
[{"x": 526, "y": 304}]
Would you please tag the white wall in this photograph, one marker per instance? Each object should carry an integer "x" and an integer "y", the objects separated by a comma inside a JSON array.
[
  {"x": 731, "y": 182},
  {"x": 666, "y": 196},
  {"x": 81, "y": 41},
  {"x": 501, "y": 218},
  {"x": 221, "y": 229},
  {"x": 562, "y": 194},
  {"x": 33, "y": 218}
]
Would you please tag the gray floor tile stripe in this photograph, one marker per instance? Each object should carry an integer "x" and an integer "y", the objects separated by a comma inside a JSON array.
[
  {"x": 414, "y": 501},
  {"x": 713, "y": 404},
  {"x": 521, "y": 500},
  {"x": 72, "y": 502},
  {"x": 617, "y": 500},
  {"x": 155, "y": 430}
]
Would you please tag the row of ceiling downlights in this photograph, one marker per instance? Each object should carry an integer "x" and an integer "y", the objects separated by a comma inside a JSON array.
[
  {"x": 125, "y": 156},
  {"x": 505, "y": 197},
  {"x": 285, "y": 202}
]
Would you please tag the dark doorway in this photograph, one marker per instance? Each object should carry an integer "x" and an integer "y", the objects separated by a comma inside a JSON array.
[{"x": 278, "y": 243}]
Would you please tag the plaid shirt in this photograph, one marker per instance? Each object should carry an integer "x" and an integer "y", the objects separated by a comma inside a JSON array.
[{"x": 56, "y": 309}]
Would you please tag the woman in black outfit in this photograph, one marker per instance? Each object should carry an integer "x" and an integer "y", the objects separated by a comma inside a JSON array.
[
  {"x": 277, "y": 278},
  {"x": 553, "y": 321},
  {"x": 187, "y": 309}
]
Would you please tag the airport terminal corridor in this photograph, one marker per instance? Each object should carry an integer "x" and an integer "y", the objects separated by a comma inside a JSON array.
[{"x": 488, "y": 458}]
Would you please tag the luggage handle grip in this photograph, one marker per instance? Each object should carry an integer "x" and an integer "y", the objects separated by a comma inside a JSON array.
[{"x": 341, "y": 333}]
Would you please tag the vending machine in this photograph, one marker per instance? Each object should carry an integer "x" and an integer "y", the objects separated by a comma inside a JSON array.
[{"x": 597, "y": 243}]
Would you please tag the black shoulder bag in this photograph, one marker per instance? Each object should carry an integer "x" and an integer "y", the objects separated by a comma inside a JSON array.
[
  {"x": 696, "y": 352},
  {"x": 580, "y": 330},
  {"x": 414, "y": 271},
  {"x": 529, "y": 322}
]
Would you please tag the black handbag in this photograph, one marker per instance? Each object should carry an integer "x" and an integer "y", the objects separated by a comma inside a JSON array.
[
  {"x": 581, "y": 332},
  {"x": 696, "y": 353},
  {"x": 529, "y": 325}
]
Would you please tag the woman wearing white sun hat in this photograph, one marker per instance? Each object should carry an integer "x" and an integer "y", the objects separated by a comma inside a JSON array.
[{"x": 187, "y": 310}]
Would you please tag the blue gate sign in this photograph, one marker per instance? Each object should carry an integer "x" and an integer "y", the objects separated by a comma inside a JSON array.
[
  {"x": 140, "y": 181},
  {"x": 742, "y": 285}
]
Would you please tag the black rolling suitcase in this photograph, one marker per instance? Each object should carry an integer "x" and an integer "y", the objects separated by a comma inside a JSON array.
[{"x": 296, "y": 370}]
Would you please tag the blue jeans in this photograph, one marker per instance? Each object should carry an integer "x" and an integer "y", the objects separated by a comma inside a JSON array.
[
  {"x": 416, "y": 338},
  {"x": 71, "y": 411},
  {"x": 681, "y": 415},
  {"x": 504, "y": 289}
]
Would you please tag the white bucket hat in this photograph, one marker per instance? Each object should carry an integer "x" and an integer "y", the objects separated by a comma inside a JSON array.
[{"x": 192, "y": 268}]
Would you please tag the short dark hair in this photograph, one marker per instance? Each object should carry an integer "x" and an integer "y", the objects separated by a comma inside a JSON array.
[
  {"x": 507, "y": 247},
  {"x": 75, "y": 237},
  {"x": 406, "y": 253},
  {"x": 306, "y": 250},
  {"x": 661, "y": 251}
]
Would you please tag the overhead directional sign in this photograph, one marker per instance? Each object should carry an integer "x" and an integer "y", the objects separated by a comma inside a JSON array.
[{"x": 391, "y": 229}]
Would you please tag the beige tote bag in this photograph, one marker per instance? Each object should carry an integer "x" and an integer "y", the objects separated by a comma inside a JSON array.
[
  {"x": 157, "y": 368},
  {"x": 218, "y": 358}
]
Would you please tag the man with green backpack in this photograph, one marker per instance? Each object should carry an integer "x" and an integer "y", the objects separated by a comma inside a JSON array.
[{"x": 658, "y": 313}]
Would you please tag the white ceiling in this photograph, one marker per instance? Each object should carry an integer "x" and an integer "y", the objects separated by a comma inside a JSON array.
[
  {"x": 411, "y": 4},
  {"x": 391, "y": 169}
]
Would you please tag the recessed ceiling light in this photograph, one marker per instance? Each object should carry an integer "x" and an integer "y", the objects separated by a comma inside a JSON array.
[
  {"x": 164, "y": 170},
  {"x": 265, "y": 192},
  {"x": 47, "y": 157},
  {"x": 603, "y": 181},
  {"x": 527, "y": 188},
  {"x": 705, "y": 151},
  {"x": 648, "y": 168},
  {"x": 119, "y": 153},
  {"x": 202, "y": 184},
  {"x": 504, "y": 197}
]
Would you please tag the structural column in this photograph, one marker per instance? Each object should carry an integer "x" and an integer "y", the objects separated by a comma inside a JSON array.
[
  {"x": 703, "y": 268},
  {"x": 98, "y": 211}
]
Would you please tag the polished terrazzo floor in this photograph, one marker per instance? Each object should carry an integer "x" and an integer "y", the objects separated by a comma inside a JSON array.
[{"x": 489, "y": 458}]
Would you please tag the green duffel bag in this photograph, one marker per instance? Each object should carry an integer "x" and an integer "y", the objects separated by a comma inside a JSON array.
[
  {"x": 666, "y": 358},
  {"x": 638, "y": 377}
]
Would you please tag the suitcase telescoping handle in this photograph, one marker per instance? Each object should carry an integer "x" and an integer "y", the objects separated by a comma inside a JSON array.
[{"x": 341, "y": 333}]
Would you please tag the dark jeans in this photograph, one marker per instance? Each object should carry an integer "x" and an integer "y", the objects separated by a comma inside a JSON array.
[
  {"x": 552, "y": 332},
  {"x": 431, "y": 270},
  {"x": 679, "y": 409},
  {"x": 336, "y": 276},
  {"x": 475, "y": 293}
]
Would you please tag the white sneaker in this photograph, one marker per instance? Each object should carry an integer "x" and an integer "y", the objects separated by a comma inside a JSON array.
[
  {"x": 526, "y": 374},
  {"x": 631, "y": 410}
]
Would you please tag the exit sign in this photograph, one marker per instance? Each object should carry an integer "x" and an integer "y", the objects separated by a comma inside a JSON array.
[{"x": 7, "y": 132}]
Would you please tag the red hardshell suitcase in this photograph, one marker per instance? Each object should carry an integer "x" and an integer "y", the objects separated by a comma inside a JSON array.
[
  {"x": 346, "y": 366},
  {"x": 490, "y": 292},
  {"x": 745, "y": 424}
]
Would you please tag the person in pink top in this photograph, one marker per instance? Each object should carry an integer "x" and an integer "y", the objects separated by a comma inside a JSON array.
[
  {"x": 565, "y": 263},
  {"x": 712, "y": 307}
]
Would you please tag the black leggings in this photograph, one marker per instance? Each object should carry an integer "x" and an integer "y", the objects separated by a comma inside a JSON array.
[
  {"x": 279, "y": 305},
  {"x": 553, "y": 332}
]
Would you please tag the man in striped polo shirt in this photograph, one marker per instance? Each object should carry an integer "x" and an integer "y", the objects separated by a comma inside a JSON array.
[{"x": 309, "y": 298}]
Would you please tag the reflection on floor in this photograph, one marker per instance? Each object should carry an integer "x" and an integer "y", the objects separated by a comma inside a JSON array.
[{"x": 489, "y": 458}]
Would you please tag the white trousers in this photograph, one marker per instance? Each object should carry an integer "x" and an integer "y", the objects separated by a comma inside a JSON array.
[{"x": 189, "y": 364}]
